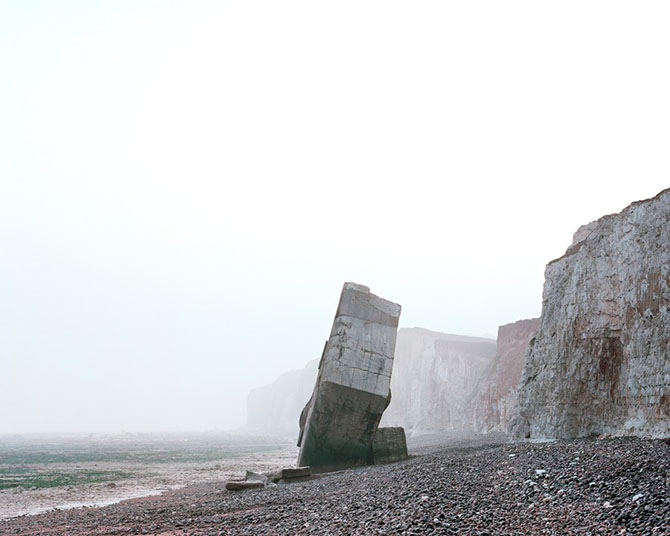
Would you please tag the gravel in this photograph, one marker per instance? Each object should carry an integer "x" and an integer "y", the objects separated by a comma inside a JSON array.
[{"x": 609, "y": 486}]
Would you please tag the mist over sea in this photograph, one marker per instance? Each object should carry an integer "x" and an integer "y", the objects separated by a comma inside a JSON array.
[{"x": 40, "y": 472}]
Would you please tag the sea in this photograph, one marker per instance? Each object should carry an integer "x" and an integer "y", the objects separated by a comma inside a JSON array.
[{"x": 40, "y": 472}]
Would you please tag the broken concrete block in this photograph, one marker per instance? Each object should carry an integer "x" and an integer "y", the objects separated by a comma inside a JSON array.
[
  {"x": 353, "y": 385},
  {"x": 389, "y": 445},
  {"x": 236, "y": 485},
  {"x": 295, "y": 472},
  {"x": 288, "y": 474},
  {"x": 273, "y": 476},
  {"x": 256, "y": 477}
]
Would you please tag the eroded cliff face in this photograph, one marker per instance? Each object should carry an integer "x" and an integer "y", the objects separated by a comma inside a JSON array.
[
  {"x": 495, "y": 403},
  {"x": 435, "y": 376},
  {"x": 600, "y": 362}
]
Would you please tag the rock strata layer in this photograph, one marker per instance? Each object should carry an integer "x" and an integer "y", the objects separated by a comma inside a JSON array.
[
  {"x": 495, "y": 404},
  {"x": 600, "y": 362},
  {"x": 352, "y": 390}
]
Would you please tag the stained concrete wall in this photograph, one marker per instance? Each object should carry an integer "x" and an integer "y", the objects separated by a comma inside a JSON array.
[
  {"x": 389, "y": 445},
  {"x": 353, "y": 386}
]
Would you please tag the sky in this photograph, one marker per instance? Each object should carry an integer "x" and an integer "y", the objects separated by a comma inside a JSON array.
[{"x": 186, "y": 185}]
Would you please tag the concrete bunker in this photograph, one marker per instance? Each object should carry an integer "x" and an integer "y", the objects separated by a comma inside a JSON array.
[{"x": 339, "y": 426}]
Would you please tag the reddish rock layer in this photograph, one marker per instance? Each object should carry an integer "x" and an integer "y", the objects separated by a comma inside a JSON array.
[{"x": 496, "y": 401}]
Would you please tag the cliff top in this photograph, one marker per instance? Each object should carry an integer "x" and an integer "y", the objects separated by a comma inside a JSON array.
[{"x": 586, "y": 230}]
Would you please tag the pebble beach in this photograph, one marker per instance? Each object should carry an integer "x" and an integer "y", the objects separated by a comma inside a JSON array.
[{"x": 608, "y": 486}]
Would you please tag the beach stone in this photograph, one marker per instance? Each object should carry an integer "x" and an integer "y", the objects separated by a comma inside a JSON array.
[{"x": 352, "y": 389}]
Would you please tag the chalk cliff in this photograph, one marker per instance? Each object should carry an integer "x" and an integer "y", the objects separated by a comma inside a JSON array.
[
  {"x": 434, "y": 379},
  {"x": 495, "y": 403},
  {"x": 275, "y": 408},
  {"x": 600, "y": 362}
]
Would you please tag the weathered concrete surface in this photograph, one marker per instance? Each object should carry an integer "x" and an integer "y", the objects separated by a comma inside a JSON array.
[
  {"x": 496, "y": 403},
  {"x": 353, "y": 386},
  {"x": 389, "y": 445},
  {"x": 434, "y": 379},
  {"x": 600, "y": 362},
  {"x": 294, "y": 472}
]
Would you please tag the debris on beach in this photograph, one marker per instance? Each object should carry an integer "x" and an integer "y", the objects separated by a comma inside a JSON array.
[
  {"x": 236, "y": 485},
  {"x": 286, "y": 475}
]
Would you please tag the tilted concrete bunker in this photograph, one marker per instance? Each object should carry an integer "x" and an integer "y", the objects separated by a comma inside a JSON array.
[{"x": 339, "y": 422}]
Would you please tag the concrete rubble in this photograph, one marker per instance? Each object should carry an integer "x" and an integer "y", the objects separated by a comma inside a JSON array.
[
  {"x": 260, "y": 480},
  {"x": 239, "y": 485},
  {"x": 339, "y": 423}
]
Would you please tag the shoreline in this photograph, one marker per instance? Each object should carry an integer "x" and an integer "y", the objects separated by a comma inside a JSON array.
[
  {"x": 587, "y": 486},
  {"x": 94, "y": 503},
  {"x": 146, "y": 480}
]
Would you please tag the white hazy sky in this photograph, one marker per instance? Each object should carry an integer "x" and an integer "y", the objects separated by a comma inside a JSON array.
[{"x": 185, "y": 185}]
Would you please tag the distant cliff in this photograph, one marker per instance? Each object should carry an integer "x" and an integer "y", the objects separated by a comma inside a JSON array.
[
  {"x": 434, "y": 378},
  {"x": 495, "y": 403},
  {"x": 600, "y": 362},
  {"x": 275, "y": 408}
]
